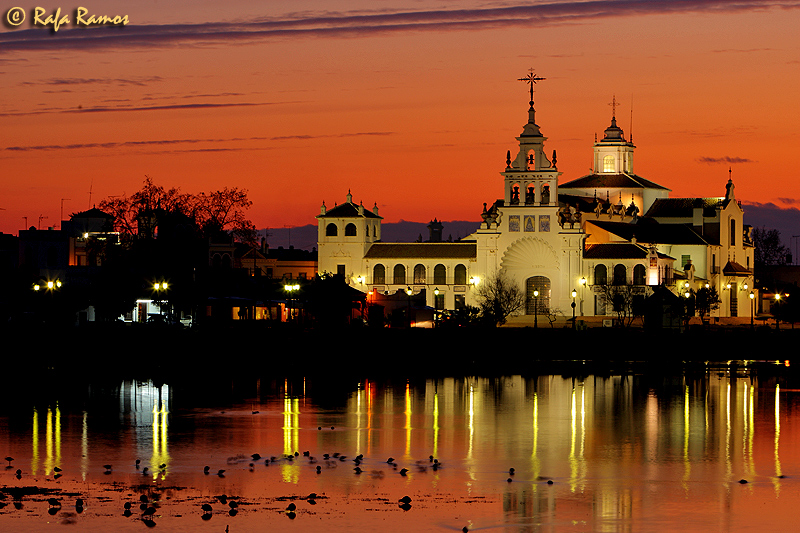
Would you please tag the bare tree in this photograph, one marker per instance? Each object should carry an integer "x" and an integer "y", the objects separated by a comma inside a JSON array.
[
  {"x": 498, "y": 298},
  {"x": 221, "y": 210},
  {"x": 768, "y": 247},
  {"x": 622, "y": 299}
]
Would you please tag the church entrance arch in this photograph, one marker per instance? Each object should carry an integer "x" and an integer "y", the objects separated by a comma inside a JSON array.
[{"x": 537, "y": 304}]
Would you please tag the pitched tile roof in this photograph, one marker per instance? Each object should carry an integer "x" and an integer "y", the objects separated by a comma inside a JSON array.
[
  {"x": 651, "y": 232},
  {"x": 604, "y": 181},
  {"x": 732, "y": 268},
  {"x": 623, "y": 250},
  {"x": 423, "y": 250},
  {"x": 683, "y": 207}
]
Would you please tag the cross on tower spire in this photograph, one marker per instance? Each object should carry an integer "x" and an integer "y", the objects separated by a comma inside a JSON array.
[
  {"x": 531, "y": 80},
  {"x": 614, "y": 106}
]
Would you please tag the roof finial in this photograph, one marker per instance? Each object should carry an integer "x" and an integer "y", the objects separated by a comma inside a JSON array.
[
  {"x": 349, "y": 197},
  {"x": 614, "y": 105},
  {"x": 531, "y": 80}
]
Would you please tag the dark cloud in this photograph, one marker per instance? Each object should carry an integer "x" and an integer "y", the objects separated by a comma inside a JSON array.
[
  {"x": 121, "y": 109},
  {"x": 169, "y": 142},
  {"x": 726, "y": 159},
  {"x": 349, "y": 24},
  {"x": 790, "y": 201},
  {"x": 141, "y": 82}
]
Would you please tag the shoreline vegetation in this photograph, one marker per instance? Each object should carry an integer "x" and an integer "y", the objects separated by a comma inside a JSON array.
[{"x": 148, "y": 352}]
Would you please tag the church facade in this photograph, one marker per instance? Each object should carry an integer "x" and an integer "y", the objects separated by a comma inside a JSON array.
[{"x": 558, "y": 243}]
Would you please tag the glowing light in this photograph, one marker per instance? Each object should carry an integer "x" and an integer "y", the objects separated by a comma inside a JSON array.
[
  {"x": 583, "y": 281},
  {"x": 36, "y": 287},
  {"x": 50, "y": 284},
  {"x": 574, "y": 293}
]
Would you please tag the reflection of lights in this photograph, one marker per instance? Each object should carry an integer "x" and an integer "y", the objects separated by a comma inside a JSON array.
[
  {"x": 291, "y": 437},
  {"x": 778, "y": 472},
  {"x": 435, "y": 424},
  {"x": 35, "y": 444},
  {"x": 408, "y": 418}
]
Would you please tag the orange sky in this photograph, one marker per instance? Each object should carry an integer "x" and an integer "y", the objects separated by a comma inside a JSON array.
[{"x": 412, "y": 106}]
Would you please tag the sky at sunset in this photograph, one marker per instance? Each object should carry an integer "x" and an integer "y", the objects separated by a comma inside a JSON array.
[{"x": 412, "y": 105}]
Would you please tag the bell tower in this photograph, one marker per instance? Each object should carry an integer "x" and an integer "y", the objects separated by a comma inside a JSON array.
[
  {"x": 613, "y": 154},
  {"x": 530, "y": 179}
]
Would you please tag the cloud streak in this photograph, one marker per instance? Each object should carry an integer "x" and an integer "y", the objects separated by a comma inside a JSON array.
[
  {"x": 725, "y": 159},
  {"x": 350, "y": 25},
  {"x": 175, "y": 142},
  {"x": 123, "y": 109}
]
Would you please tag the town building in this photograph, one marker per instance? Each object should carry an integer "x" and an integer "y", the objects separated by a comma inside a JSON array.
[{"x": 560, "y": 244}]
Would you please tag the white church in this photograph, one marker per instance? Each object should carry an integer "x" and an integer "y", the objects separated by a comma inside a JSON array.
[{"x": 560, "y": 243}]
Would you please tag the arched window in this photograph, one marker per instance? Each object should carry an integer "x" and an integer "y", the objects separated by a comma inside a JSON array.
[
  {"x": 350, "y": 230},
  {"x": 367, "y": 231},
  {"x": 419, "y": 274},
  {"x": 733, "y": 232},
  {"x": 460, "y": 275},
  {"x": 638, "y": 275},
  {"x": 609, "y": 164},
  {"x": 537, "y": 304},
  {"x": 379, "y": 274},
  {"x": 399, "y": 275},
  {"x": 600, "y": 275},
  {"x": 331, "y": 230},
  {"x": 620, "y": 275},
  {"x": 439, "y": 275}
]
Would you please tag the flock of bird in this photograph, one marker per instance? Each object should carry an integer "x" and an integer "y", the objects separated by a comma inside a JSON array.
[{"x": 149, "y": 507}]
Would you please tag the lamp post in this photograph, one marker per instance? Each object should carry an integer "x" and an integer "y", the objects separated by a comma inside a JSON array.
[
  {"x": 574, "y": 294},
  {"x": 777, "y": 301},
  {"x": 535, "y": 309},
  {"x": 408, "y": 311},
  {"x": 582, "y": 281},
  {"x": 752, "y": 304},
  {"x": 159, "y": 287}
]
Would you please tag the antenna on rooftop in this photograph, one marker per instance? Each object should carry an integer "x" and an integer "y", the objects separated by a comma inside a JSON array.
[{"x": 631, "y": 129}]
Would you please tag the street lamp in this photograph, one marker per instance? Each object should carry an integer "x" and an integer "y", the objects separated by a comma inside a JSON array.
[
  {"x": 408, "y": 292},
  {"x": 777, "y": 301},
  {"x": 535, "y": 309},
  {"x": 574, "y": 294},
  {"x": 583, "y": 291},
  {"x": 291, "y": 289},
  {"x": 159, "y": 287},
  {"x": 752, "y": 304}
]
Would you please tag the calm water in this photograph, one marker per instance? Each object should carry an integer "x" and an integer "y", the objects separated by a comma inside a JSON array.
[{"x": 624, "y": 453}]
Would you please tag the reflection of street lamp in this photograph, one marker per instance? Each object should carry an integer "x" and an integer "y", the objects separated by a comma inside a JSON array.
[
  {"x": 574, "y": 294},
  {"x": 535, "y": 308},
  {"x": 752, "y": 304}
]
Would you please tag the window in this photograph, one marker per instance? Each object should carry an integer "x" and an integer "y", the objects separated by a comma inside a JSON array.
[
  {"x": 340, "y": 270},
  {"x": 350, "y": 230},
  {"x": 269, "y": 272},
  {"x": 419, "y": 274},
  {"x": 609, "y": 164},
  {"x": 302, "y": 275},
  {"x": 399, "y": 275},
  {"x": 460, "y": 273},
  {"x": 331, "y": 230},
  {"x": 620, "y": 275},
  {"x": 367, "y": 231},
  {"x": 379, "y": 274},
  {"x": 733, "y": 232},
  {"x": 438, "y": 301},
  {"x": 638, "y": 275},
  {"x": 685, "y": 260},
  {"x": 439, "y": 275},
  {"x": 459, "y": 301},
  {"x": 600, "y": 275}
]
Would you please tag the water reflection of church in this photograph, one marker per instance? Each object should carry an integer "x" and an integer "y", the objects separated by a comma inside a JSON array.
[{"x": 611, "y": 227}]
